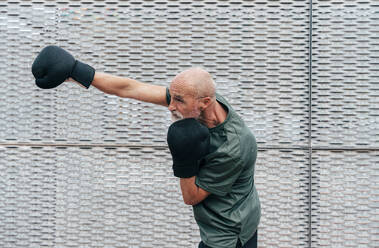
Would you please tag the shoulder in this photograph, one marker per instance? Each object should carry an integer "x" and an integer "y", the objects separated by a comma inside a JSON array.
[{"x": 222, "y": 99}]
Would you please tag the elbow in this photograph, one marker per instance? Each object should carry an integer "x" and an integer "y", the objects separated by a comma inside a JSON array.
[{"x": 190, "y": 201}]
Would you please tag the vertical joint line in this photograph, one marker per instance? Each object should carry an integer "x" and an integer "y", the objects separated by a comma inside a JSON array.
[{"x": 310, "y": 127}]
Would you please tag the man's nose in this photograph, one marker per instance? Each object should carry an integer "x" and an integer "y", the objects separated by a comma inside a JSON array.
[{"x": 171, "y": 107}]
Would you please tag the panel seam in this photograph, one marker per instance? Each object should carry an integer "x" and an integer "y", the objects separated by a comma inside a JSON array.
[{"x": 310, "y": 127}]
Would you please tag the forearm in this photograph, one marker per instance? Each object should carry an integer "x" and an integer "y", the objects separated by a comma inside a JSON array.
[
  {"x": 191, "y": 193},
  {"x": 110, "y": 84}
]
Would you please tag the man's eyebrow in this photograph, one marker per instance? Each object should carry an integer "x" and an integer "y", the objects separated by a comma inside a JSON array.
[{"x": 178, "y": 96}]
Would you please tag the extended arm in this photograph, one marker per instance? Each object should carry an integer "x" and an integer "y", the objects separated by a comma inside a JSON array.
[
  {"x": 130, "y": 88},
  {"x": 54, "y": 65}
]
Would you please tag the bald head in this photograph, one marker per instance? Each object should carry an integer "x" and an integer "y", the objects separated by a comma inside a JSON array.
[{"x": 197, "y": 80}]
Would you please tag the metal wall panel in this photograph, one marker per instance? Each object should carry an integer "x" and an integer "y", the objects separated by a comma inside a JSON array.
[
  {"x": 345, "y": 199},
  {"x": 345, "y": 75},
  {"x": 28, "y": 197}
]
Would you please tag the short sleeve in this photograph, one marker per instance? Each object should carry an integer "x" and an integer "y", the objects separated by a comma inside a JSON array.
[
  {"x": 218, "y": 174},
  {"x": 168, "y": 96}
]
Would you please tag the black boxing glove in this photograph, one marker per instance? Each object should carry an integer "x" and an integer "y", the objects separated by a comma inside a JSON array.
[
  {"x": 188, "y": 141},
  {"x": 54, "y": 65}
]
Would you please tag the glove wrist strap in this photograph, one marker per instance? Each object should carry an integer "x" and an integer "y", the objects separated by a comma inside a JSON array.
[{"x": 83, "y": 73}]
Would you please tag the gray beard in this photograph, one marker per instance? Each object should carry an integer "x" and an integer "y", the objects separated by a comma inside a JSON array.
[{"x": 176, "y": 116}]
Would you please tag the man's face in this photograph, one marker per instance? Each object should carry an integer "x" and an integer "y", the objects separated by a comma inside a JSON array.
[{"x": 184, "y": 103}]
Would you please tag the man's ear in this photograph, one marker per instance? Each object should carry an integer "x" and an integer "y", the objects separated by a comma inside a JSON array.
[{"x": 205, "y": 102}]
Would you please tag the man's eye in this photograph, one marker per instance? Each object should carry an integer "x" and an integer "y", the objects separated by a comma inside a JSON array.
[{"x": 178, "y": 100}]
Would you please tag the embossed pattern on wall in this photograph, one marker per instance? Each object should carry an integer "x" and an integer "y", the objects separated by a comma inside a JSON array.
[{"x": 79, "y": 168}]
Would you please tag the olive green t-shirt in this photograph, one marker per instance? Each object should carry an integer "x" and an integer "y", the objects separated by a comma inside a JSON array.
[{"x": 232, "y": 211}]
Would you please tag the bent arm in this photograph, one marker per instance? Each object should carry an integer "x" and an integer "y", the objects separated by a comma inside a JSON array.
[
  {"x": 130, "y": 88},
  {"x": 192, "y": 194}
]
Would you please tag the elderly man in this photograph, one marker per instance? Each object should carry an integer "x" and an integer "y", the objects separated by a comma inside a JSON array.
[{"x": 221, "y": 189}]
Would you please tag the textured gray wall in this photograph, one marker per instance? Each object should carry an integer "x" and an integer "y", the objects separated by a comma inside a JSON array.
[{"x": 79, "y": 168}]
